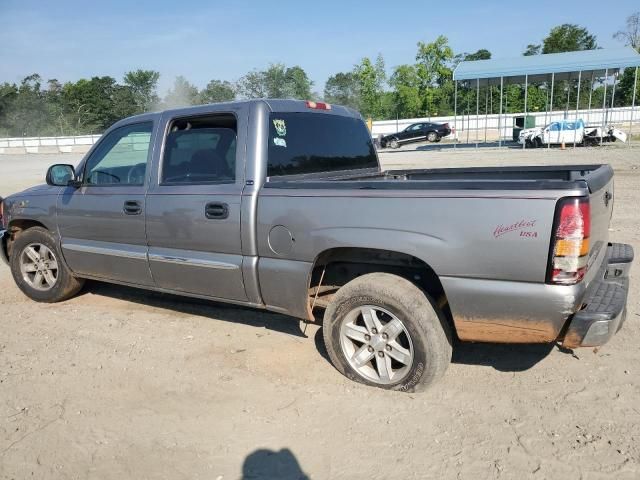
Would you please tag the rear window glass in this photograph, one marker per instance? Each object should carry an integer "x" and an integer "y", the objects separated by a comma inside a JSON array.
[{"x": 301, "y": 143}]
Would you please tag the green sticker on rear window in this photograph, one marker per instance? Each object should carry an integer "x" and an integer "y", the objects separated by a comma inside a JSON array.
[{"x": 281, "y": 127}]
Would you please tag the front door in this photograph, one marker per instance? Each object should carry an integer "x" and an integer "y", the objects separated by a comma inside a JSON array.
[
  {"x": 102, "y": 223},
  {"x": 193, "y": 209}
]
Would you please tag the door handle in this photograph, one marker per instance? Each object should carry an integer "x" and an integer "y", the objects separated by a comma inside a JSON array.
[
  {"x": 216, "y": 211},
  {"x": 132, "y": 207}
]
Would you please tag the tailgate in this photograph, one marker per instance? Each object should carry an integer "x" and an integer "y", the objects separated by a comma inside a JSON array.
[{"x": 601, "y": 200}]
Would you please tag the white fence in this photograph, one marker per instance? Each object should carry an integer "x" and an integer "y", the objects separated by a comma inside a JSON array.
[{"x": 47, "y": 144}]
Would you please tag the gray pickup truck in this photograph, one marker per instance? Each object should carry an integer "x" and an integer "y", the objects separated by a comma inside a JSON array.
[{"x": 282, "y": 205}]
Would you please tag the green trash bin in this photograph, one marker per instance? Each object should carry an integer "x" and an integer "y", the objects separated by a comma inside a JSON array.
[{"x": 521, "y": 122}]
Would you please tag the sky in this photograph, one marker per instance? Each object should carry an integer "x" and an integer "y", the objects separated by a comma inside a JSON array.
[{"x": 204, "y": 40}]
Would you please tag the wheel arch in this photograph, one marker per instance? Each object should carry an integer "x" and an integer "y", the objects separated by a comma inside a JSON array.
[
  {"x": 336, "y": 266},
  {"x": 15, "y": 228}
]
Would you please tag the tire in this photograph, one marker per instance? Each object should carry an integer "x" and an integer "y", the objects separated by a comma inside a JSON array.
[
  {"x": 538, "y": 142},
  {"x": 424, "y": 334},
  {"x": 54, "y": 284},
  {"x": 529, "y": 144},
  {"x": 432, "y": 137},
  {"x": 393, "y": 143}
]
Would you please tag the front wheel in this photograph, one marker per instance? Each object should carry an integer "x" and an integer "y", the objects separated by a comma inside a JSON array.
[
  {"x": 383, "y": 331},
  {"x": 393, "y": 143},
  {"x": 38, "y": 269}
]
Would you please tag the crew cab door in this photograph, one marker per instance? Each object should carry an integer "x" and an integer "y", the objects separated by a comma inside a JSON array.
[
  {"x": 102, "y": 222},
  {"x": 193, "y": 208}
]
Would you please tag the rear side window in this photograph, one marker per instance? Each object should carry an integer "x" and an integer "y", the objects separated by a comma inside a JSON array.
[
  {"x": 302, "y": 143},
  {"x": 200, "y": 151}
]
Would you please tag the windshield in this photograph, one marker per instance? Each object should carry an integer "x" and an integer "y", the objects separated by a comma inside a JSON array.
[{"x": 302, "y": 143}]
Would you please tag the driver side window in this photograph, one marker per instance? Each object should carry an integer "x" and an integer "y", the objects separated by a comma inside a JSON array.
[{"x": 121, "y": 157}]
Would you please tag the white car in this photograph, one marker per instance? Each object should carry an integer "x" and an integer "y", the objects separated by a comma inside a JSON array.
[{"x": 567, "y": 132}]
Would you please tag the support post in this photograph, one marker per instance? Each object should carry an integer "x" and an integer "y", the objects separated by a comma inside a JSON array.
[
  {"x": 546, "y": 104},
  {"x": 613, "y": 95},
  {"x": 468, "y": 113},
  {"x": 566, "y": 107},
  {"x": 591, "y": 90},
  {"x": 500, "y": 115},
  {"x": 553, "y": 80},
  {"x": 455, "y": 112},
  {"x": 477, "y": 109},
  {"x": 604, "y": 105},
  {"x": 486, "y": 112},
  {"x": 575, "y": 125},
  {"x": 633, "y": 103}
]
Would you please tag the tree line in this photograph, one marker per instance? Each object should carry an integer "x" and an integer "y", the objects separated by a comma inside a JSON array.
[{"x": 34, "y": 107}]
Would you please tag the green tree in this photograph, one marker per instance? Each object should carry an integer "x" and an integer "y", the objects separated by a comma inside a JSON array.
[
  {"x": 630, "y": 37},
  {"x": 405, "y": 83},
  {"x": 434, "y": 71},
  {"x": 217, "y": 91},
  {"x": 182, "y": 94},
  {"x": 532, "y": 49},
  {"x": 252, "y": 85},
  {"x": 297, "y": 83},
  {"x": 27, "y": 114},
  {"x": 482, "y": 54},
  {"x": 8, "y": 94},
  {"x": 371, "y": 79},
  {"x": 342, "y": 89},
  {"x": 94, "y": 105},
  {"x": 143, "y": 85},
  {"x": 568, "y": 38},
  {"x": 277, "y": 81}
]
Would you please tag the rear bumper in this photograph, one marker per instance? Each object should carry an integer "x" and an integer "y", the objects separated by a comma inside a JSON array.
[
  {"x": 4, "y": 236},
  {"x": 605, "y": 306}
]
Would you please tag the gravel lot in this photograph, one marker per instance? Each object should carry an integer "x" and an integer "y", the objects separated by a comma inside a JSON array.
[{"x": 119, "y": 383}]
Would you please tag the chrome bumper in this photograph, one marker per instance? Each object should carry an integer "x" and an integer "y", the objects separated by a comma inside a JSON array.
[{"x": 606, "y": 303}]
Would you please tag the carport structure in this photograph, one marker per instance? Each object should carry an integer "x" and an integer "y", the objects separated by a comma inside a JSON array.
[{"x": 572, "y": 70}]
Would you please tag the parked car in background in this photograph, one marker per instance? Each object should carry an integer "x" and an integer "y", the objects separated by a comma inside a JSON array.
[
  {"x": 567, "y": 132},
  {"x": 416, "y": 132}
]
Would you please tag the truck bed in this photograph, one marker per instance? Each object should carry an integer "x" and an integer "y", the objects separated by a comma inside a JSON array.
[{"x": 564, "y": 177}]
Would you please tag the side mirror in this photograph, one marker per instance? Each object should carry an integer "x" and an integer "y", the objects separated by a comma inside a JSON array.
[{"x": 61, "y": 175}]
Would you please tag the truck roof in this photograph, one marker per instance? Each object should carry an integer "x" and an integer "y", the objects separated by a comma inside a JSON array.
[{"x": 274, "y": 104}]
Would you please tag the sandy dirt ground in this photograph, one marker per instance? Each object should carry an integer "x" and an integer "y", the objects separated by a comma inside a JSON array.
[{"x": 119, "y": 383}]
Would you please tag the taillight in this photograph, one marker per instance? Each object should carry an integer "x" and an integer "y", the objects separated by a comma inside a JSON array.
[
  {"x": 570, "y": 241},
  {"x": 318, "y": 105}
]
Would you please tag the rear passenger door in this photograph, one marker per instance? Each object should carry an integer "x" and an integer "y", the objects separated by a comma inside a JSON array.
[{"x": 193, "y": 209}]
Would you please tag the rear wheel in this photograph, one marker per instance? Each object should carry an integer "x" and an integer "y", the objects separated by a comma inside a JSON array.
[
  {"x": 38, "y": 269},
  {"x": 383, "y": 331},
  {"x": 432, "y": 137}
]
